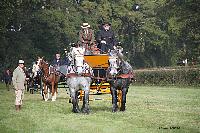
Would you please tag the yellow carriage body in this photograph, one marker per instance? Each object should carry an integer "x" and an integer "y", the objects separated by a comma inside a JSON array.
[
  {"x": 97, "y": 61},
  {"x": 99, "y": 64},
  {"x": 100, "y": 84}
]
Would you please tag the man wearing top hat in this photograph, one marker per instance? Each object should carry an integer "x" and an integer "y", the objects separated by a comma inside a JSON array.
[
  {"x": 19, "y": 79},
  {"x": 106, "y": 38},
  {"x": 86, "y": 36}
]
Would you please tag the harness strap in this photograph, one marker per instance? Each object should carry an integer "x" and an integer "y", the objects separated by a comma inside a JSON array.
[{"x": 125, "y": 76}]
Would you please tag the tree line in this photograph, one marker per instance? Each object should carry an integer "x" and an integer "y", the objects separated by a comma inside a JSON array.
[{"x": 152, "y": 33}]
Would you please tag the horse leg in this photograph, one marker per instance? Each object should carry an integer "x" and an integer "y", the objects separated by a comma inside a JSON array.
[
  {"x": 114, "y": 99},
  {"x": 53, "y": 92},
  {"x": 85, "y": 107},
  {"x": 45, "y": 92},
  {"x": 74, "y": 96},
  {"x": 124, "y": 93},
  {"x": 56, "y": 90},
  {"x": 123, "y": 102},
  {"x": 41, "y": 88}
]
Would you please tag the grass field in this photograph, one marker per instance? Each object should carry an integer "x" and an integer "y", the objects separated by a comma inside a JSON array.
[{"x": 149, "y": 109}]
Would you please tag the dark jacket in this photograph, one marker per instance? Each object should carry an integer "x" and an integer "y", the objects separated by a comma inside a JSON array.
[
  {"x": 66, "y": 61},
  {"x": 107, "y": 36},
  {"x": 56, "y": 62}
]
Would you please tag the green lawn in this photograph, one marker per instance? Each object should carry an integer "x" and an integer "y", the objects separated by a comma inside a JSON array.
[{"x": 149, "y": 109}]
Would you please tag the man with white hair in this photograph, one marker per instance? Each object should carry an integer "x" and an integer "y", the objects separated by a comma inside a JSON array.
[{"x": 19, "y": 78}]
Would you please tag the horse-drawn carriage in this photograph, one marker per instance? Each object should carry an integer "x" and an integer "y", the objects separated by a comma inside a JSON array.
[
  {"x": 94, "y": 73},
  {"x": 110, "y": 74}
]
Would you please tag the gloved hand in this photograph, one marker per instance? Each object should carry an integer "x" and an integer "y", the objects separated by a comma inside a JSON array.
[{"x": 102, "y": 41}]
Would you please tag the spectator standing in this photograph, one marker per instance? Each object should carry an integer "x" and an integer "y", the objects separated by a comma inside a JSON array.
[{"x": 19, "y": 78}]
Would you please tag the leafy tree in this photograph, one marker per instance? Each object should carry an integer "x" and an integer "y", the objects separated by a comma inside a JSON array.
[{"x": 156, "y": 33}]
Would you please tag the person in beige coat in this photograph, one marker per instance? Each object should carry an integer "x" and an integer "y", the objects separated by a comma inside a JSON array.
[{"x": 19, "y": 79}]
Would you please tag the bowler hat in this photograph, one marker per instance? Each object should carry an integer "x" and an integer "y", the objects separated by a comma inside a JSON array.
[{"x": 106, "y": 23}]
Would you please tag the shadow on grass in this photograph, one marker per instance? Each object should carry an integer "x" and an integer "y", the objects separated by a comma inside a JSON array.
[{"x": 96, "y": 109}]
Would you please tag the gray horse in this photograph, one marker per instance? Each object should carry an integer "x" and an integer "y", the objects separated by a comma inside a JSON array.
[
  {"x": 79, "y": 78},
  {"x": 120, "y": 74}
]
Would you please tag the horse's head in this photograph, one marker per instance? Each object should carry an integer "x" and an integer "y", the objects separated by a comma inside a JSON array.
[
  {"x": 43, "y": 65},
  {"x": 114, "y": 62},
  {"x": 78, "y": 58},
  {"x": 126, "y": 68},
  {"x": 117, "y": 63}
]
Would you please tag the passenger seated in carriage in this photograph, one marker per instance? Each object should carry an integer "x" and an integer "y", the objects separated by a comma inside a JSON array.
[
  {"x": 106, "y": 38},
  {"x": 57, "y": 61},
  {"x": 59, "y": 64},
  {"x": 66, "y": 59},
  {"x": 86, "y": 36}
]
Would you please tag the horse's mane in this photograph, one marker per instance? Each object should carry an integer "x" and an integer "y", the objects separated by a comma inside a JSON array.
[{"x": 125, "y": 66}]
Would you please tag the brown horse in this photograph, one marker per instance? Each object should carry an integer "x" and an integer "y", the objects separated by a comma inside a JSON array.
[{"x": 50, "y": 79}]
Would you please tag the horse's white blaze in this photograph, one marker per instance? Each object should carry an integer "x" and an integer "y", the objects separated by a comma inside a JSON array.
[{"x": 113, "y": 65}]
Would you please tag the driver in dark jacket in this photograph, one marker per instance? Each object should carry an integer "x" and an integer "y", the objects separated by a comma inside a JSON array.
[
  {"x": 106, "y": 38},
  {"x": 57, "y": 61}
]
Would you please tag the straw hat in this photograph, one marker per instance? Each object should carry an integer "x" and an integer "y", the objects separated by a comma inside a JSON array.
[
  {"x": 85, "y": 25},
  {"x": 21, "y": 62}
]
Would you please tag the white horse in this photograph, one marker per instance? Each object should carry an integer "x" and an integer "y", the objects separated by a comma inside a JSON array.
[{"x": 79, "y": 78}]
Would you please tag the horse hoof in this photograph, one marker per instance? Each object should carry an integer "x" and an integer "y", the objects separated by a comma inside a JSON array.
[
  {"x": 45, "y": 100},
  {"x": 53, "y": 100},
  {"x": 85, "y": 111},
  {"x": 70, "y": 101},
  {"x": 76, "y": 110},
  {"x": 123, "y": 108},
  {"x": 114, "y": 109}
]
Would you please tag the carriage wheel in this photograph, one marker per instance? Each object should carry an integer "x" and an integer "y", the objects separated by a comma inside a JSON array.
[{"x": 119, "y": 97}]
